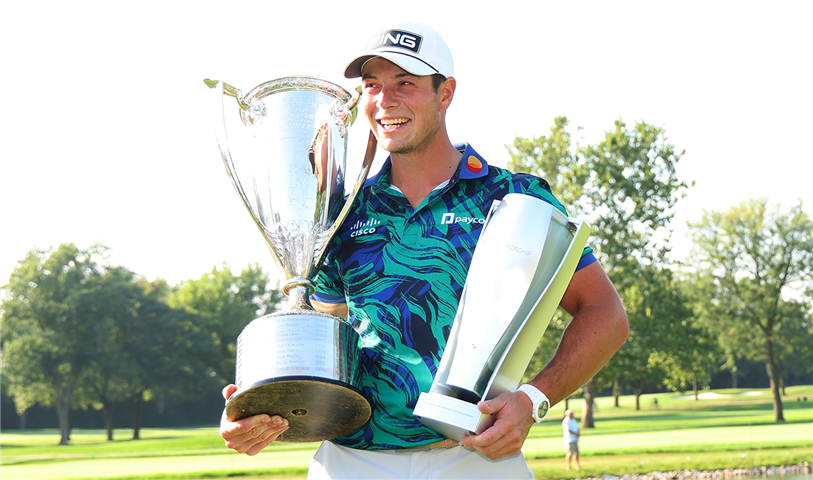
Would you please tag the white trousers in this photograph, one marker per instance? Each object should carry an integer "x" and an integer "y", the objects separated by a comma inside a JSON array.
[{"x": 335, "y": 462}]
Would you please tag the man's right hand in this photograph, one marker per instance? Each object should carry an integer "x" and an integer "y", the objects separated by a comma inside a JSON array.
[{"x": 250, "y": 435}]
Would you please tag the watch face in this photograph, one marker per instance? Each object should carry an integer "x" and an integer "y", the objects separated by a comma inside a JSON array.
[{"x": 542, "y": 411}]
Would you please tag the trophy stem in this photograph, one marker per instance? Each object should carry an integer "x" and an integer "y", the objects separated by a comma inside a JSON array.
[{"x": 299, "y": 290}]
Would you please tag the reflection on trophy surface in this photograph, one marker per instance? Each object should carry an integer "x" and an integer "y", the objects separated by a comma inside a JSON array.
[
  {"x": 284, "y": 145},
  {"x": 525, "y": 257}
]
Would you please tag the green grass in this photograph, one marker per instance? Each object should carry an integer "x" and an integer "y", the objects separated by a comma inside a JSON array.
[
  {"x": 644, "y": 463},
  {"x": 735, "y": 429}
]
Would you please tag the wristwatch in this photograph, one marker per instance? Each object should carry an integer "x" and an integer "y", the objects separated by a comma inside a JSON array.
[{"x": 539, "y": 399}]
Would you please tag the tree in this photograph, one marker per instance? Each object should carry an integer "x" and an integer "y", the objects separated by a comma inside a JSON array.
[
  {"x": 225, "y": 304},
  {"x": 47, "y": 316},
  {"x": 751, "y": 261},
  {"x": 625, "y": 186},
  {"x": 556, "y": 159},
  {"x": 108, "y": 375},
  {"x": 141, "y": 347},
  {"x": 632, "y": 193},
  {"x": 794, "y": 342},
  {"x": 174, "y": 357},
  {"x": 664, "y": 347}
]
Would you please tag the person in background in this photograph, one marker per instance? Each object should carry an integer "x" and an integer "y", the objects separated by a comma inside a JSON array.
[{"x": 570, "y": 429}]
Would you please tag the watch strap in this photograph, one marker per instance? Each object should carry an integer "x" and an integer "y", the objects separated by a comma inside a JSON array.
[{"x": 537, "y": 399}]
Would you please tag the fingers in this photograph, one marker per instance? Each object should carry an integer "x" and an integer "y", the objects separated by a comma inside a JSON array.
[
  {"x": 506, "y": 436},
  {"x": 251, "y": 435},
  {"x": 228, "y": 391},
  {"x": 493, "y": 406},
  {"x": 496, "y": 442}
]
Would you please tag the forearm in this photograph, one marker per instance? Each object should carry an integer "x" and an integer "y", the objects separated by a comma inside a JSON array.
[{"x": 599, "y": 327}]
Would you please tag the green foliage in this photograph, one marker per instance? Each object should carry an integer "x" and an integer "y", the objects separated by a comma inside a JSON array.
[
  {"x": 226, "y": 303},
  {"x": 626, "y": 185},
  {"x": 78, "y": 333},
  {"x": 142, "y": 347},
  {"x": 556, "y": 159},
  {"x": 48, "y": 313},
  {"x": 632, "y": 192},
  {"x": 753, "y": 268},
  {"x": 664, "y": 346}
]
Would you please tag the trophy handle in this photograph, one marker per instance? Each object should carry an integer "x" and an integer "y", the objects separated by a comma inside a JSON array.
[
  {"x": 230, "y": 91},
  {"x": 366, "y": 163},
  {"x": 223, "y": 138}
]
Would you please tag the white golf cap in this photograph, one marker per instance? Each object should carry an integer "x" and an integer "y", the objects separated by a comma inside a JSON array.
[{"x": 416, "y": 48}]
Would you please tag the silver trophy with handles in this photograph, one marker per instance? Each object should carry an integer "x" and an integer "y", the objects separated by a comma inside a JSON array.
[
  {"x": 524, "y": 260},
  {"x": 284, "y": 145}
]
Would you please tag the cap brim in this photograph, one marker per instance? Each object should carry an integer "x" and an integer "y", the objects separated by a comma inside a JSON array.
[{"x": 408, "y": 63}]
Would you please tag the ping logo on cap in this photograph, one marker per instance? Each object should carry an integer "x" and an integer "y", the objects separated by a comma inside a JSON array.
[{"x": 396, "y": 38}]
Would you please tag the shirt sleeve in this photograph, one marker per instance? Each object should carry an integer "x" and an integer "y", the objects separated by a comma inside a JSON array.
[{"x": 329, "y": 285}]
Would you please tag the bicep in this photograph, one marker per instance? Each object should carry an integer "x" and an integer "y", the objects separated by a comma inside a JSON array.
[{"x": 590, "y": 287}]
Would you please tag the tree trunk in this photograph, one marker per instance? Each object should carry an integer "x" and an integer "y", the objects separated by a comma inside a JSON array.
[
  {"x": 62, "y": 403},
  {"x": 770, "y": 366},
  {"x": 589, "y": 399},
  {"x": 782, "y": 385},
  {"x": 24, "y": 420},
  {"x": 63, "y": 413},
  {"x": 734, "y": 378},
  {"x": 136, "y": 404},
  {"x": 694, "y": 385},
  {"x": 616, "y": 392},
  {"x": 638, "y": 393},
  {"x": 108, "y": 421}
]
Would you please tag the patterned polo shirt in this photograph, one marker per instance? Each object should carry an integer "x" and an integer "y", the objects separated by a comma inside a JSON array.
[{"x": 401, "y": 272}]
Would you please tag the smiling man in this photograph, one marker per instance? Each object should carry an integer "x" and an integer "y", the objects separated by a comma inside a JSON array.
[{"x": 397, "y": 267}]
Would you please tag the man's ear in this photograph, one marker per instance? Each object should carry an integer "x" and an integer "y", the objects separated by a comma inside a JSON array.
[{"x": 446, "y": 93}]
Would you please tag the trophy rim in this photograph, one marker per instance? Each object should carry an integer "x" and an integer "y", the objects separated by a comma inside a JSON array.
[{"x": 298, "y": 83}]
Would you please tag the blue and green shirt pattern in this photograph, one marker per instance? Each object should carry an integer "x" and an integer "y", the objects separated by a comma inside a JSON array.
[{"x": 401, "y": 272}]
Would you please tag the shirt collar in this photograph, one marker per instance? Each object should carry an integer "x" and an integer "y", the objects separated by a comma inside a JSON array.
[{"x": 471, "y": 166}]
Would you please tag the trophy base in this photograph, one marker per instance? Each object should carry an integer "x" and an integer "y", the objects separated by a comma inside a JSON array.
[
  {"x": 451, "y": 417},
  {"x": 316, "y": 409}
]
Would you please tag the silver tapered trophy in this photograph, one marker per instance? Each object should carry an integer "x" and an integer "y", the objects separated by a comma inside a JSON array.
[
  {"x": 284, "y": 144},
  {"x": 524, "y": 260}
]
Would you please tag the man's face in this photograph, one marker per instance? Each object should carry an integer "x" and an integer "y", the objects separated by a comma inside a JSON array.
[{"x": 403, "y": 109}]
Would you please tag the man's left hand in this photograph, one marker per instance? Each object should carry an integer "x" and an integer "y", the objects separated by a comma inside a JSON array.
[{"x": 512, "y": 421}]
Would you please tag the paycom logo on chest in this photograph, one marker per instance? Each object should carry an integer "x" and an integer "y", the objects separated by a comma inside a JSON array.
[{"x": 452, "y": 218}]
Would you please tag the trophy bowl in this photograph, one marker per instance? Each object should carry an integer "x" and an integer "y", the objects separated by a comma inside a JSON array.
[{"x": 284, "y": 145}]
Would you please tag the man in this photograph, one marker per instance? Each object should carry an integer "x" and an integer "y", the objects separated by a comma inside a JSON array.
[
  {"x": 400, "y": 282},
  {"x": 570, "y": 429}
]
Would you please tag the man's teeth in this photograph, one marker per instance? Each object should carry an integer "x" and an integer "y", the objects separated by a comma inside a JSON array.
[{"x": 394, "y": 121}]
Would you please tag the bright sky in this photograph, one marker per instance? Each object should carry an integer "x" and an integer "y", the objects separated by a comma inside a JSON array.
[{"x": 106, "y": 134}]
